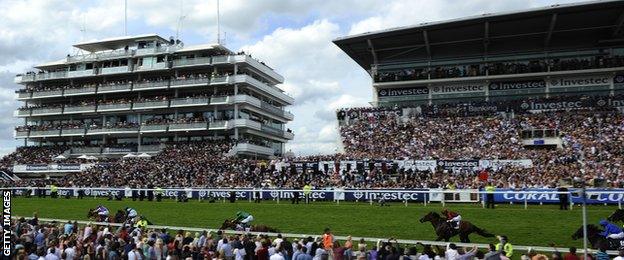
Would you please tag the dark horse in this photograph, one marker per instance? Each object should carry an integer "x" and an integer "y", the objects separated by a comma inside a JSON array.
[
  {"x": 445, "y": 231},
  {"x": 232, "y": 224},
  {"x": 595, "y": 239},
  {"x": 618, "y": 215}
]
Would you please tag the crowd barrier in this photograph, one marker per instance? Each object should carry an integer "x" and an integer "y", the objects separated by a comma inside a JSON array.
[{"x": 528, "y": 196}]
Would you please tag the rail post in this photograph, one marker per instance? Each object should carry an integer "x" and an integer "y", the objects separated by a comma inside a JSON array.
[
  {"x": 619, "y": 204},
  {"x": 526, "y": 203},
  {"x": 443, "y": 200}
]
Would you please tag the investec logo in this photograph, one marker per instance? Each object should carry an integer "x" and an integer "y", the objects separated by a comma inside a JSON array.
[
  {"x": 551, "y": 105},
  {"x": 387, "y": 195},
  {"x": 586, "y": 81},
  {"x": 457, "y": 88}
]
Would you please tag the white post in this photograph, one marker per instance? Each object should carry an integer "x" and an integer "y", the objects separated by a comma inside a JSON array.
[
  {"x": 526, "y": 203},
  {"x": 443, "y": 200},
  {"x": 584, "y": 222}
]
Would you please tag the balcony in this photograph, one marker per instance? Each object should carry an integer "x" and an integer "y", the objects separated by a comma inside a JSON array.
[
  {"x": 245, "y": 123},
  {"x": 276, "y": 111},
  {"x": 79, "y": 91},
  {"x": 22, "y": 112},
  {"x": 252, "y": 149},
  {"x": 86, "y": 150},
  {"x": 113, "y": 130},
  {"x": 276, "y": 131},
  {"x": 273, "y": 91},
  {"x": 247, "y": 99},
  {"x": 264, "y": 69},
  {"x": 159, "y": 128},
  {"x": 188, "y": 127},
  {"x": 24, "y": 78},
  {"x": 222, "y": 80},
  {"x": 23, "y": 95},
  {"x": 191, "y": 62},
  {"x": 182, "y": 83},
  {"x": 51, "y": 75},
  {"x": 48, "y": 93},
  {"x": 219, "y": 100},
  {"x": 47, "y": 111},
  {"x": 73, "y": 132},
  {"x": 156, "y": 66},
  {"x": 45, "y": 133},
  {"x": 187, "y": 102},
  {"x": 79, "y": 109},
  {"x": 151, "y": 85},
  {"x": 81, "y": 73},
  {"x": 114, "y": 107},
  {"x": 151, "y": 104},
  {"x": 21, "y": 134},
  {"x": 220, "y": 60},
  {"x": 218, "y": 125},
  {"x": 114, "y": 88},
  {"x": 101, "y": 55},
  {"x": 115, "y": 70}
]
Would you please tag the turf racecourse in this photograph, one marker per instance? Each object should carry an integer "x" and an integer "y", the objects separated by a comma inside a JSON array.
[{"x": 539, "y": 225}]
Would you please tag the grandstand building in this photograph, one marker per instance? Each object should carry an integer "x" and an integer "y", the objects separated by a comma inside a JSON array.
[
  {"x": 134, "y": 94},
  {"x": 561, "y": 56}
]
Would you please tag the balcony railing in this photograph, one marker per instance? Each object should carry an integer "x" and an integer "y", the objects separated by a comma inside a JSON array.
[
  {"x": 263, "y": 68},
  {"x": 79, "y": 91},
  {"x": 49, "y": 93},
  {"x": 114, "y": 88},
  {"x": 114, "y": 70},
  {"x": 277, "y": 111},
  {"x": 219, "y": 80},
  {"x": 154, "y": 128},
  {"x": 24, "y": 95},
  {"x": 220, "y": 59},
  {"x": 180, "y": 83},
  {"x": 188, "y": 126},
  {"x": 264, "y": 87},
  {"x": 151, "y": 104},
  {"x": 45, "y": 133},
  {"x": 51, "y": 75},
  {"x": 80, "y": 73},
  {"x": 191, "y": 62},
  {"x": 156, "y": 66},
  {"x": 113, "y": 130},
  {"x": 21, "y": 134},
  {"x": 73, "y": 132},
  {"x": 114, "y": 107},
  {"x": 252, "y": 148},
  {"x": 22, "y": 112},
  {"x": 151, "y": 85},
  {"x": 79, "y": 109},
  {"x": 219, "y": 100},
  {"x": 220, "y": 124},
  {"x": 183, "y": 102},
  {"x": 24, "y": 78},
  {"x": 86, "y": 150},
  {"x": 47, "y": 111}
]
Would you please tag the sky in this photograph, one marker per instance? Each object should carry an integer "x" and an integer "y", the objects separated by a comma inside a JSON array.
[{"x": 292, "y": 36}]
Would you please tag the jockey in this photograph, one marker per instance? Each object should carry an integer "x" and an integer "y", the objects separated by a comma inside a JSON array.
[
  {"x": 131, "y": 214},
  {"x": 244, "y": 218},
  {"x": 142, "y": 223},
  {"x": 611, "y": 230},
  {"x": 102, "y": 212},
  {"x": 452, "y": 217}
]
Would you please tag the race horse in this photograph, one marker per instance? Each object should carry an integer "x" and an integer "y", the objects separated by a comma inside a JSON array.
[
  {"x": 595, "y": 239},
  {"x": 233, "y": 225},
  {"x": 445, "y": 230},
  {"x": 617, "y": 215},
  {"x": 94, "y": 216}
]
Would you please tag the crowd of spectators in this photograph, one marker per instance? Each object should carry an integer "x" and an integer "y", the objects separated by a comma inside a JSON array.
[
  {"x": 34, "y": 239},
  {"x": 500, "y": 68}
]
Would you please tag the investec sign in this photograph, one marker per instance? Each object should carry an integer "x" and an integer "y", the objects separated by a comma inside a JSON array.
[
  {"x": 463, "y": 88},
  {"x": 596, "y": 80},
  {"x": 395, "y": 92}
]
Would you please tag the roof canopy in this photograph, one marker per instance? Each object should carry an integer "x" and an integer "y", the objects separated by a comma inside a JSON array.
[
  {"x": 558, "y": 27},
  {"x": 117, "y": 42}
]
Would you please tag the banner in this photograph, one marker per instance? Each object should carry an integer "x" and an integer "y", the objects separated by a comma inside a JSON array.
[
  {"x": 508, "y": 85},
  {"x": 455, "y": 164},
  {"x": 416, "y": 165},
  {"x": 61, "y": 167},
  {"x": 452, "y": 89},
  {"x": 395, "y": 92},
  {"x": 596, "y": 80},
  {"x": 497, "y": 164},
  {"x": 541, "y": 197}
]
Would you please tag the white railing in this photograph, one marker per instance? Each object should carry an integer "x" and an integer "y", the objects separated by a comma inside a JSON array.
[
  {"x": 112, "y": 70},
  {"x": 181, "y": 102},
  {"x": 114, "y": 88}
]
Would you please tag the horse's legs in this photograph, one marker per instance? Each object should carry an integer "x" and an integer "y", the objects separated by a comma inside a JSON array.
[{"x": 464, "y": 238}]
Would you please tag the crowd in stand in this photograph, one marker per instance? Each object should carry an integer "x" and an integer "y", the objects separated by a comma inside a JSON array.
[
  {"x": 500, "y": 68},
  {"x": 33, "y": 239}
]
